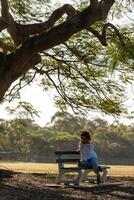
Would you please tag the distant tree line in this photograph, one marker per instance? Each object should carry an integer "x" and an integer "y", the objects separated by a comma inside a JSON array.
[{"x": 23, "y": 140}]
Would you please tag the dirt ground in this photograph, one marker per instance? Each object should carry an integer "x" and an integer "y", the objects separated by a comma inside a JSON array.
[{"x": 34, "y": 187}]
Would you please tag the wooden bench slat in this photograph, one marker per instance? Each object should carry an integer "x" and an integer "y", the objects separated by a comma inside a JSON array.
[
  {"x": 69, "y": 160},
  {"x": 71, "y": 168},
  {"x": 67, "y": 152},
  {"x": 105, "y": 167},
  {"x": 80, "y": 168}
]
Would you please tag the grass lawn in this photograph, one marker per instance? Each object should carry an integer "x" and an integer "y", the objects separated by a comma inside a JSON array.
[{"x": 28, "y": 167}]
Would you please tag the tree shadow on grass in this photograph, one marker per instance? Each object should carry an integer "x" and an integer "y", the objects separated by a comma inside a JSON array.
[
  {"x": 33, "y": 187},
  {"x": 8, "y": 192},
  {"x": 115, "y": 192}
]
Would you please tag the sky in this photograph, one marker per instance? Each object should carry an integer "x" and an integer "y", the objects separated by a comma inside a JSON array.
[{"x": 43, "y": 102}]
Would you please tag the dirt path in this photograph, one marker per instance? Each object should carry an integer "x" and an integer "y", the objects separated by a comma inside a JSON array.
[{"x": 33, "y": 187}]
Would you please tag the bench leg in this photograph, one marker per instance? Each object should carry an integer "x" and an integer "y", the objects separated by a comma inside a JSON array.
[
  {"x": 75, "y": 182},
  {"x": 59, "y": 177},
  {"x": 104, "y": 175},
  {"x": 79, "y": 177},
  {"x": 84, "y": 175}
]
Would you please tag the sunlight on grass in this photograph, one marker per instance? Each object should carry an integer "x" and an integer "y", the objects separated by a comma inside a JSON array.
[
  {"x": 121, "y": 170},
  {"x": 28, "y": 167}
]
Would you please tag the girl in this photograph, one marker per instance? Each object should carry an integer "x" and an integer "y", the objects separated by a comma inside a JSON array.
[{"x": 88, "y": 154}]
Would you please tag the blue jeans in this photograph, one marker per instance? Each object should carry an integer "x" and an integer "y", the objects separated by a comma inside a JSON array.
[{"x": 90, "y": 163}]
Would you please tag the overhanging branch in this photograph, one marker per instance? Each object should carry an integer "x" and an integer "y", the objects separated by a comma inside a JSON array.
[{"x": 103, "y": 36}]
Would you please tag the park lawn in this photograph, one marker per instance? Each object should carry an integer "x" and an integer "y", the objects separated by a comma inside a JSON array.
[{"x": 52, "y": 168}]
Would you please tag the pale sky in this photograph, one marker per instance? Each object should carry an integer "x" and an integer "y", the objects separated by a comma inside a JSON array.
[
  {"x": 43, "y": 102},
  {"x": 40, "y": 100}
]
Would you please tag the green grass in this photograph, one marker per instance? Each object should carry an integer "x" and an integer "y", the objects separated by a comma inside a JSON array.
[{"x": 28, "y": 167}]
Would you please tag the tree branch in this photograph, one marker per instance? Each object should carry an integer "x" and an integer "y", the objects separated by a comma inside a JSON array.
[
  {"x": 105, "y": 6},
  {"x": 8, "y": 22},
  {"x": 3, "y": 24},
  {"x": 4, "y": 19},
  {"x": 25, "y": 30},
  {"x": 5, "y": 10},
  {"x": 106, "y": 26},
  {"x": 103, "y": 37},
  {"x": 16, "y": 88}
]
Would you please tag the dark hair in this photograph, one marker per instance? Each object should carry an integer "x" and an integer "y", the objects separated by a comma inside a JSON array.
[{"x": 86, "y": 134}]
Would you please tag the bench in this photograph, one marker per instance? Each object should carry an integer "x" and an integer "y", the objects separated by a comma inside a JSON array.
[{"x": 73, "y": 157}]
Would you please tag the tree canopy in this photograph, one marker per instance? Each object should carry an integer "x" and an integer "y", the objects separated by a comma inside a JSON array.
[{"x": 74, "y": 48}]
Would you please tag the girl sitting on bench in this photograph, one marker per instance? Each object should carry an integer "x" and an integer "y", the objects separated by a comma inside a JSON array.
[{"x": 88, "y": 154}]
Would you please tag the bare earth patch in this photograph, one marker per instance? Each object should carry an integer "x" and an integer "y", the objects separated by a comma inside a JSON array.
[{"x": 33, "y": 187}]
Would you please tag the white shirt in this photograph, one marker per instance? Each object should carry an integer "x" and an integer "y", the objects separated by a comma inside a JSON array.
[{"x": 87, "y": 151}]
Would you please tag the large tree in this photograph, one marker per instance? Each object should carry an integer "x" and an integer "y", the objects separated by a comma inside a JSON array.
[{"x": 75, "y": 55}]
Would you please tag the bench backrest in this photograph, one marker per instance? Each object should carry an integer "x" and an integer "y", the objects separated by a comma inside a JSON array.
[{"x": 67, "y": 157}]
